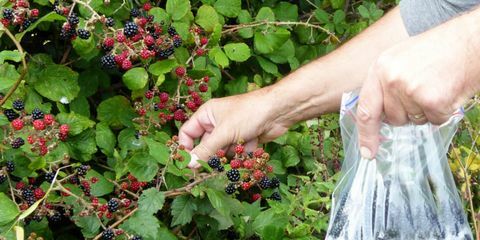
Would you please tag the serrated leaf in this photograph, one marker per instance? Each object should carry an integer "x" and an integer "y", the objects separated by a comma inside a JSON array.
[
  {"x": 102, "y": 186},
  {"x": 58, "y": 83},
  {"x": 162, "y": 67},
  {"x": 265, "y": 14},
  {"x": 135, "y": 78},
  {"x": 159, "y": 15},
  {"x": 207, "y": 18},
  {"x": 182, "y": 210},
  {"x": 49, "y": 17},
  {"x": 143, "y": 166},
  {"x": 8, "y": 76},
  {"x": 116, "y": 111},
  {"x": 10, "y": 56},
  {"x": 151, "y": 201},
  {"x": 290, "y": 156},
  {"x": 76, "y": 122},
  {"x": 219, "y": 57},
  {"x": 89, "y": 225},
  {"x": 267, "y": 65},
  {"x": 245, "y": 17},
  {"x": 177, "y": 8},
  {"x": 267, "y": 42},
  {"x": 8, "y": 209},
  {"x": 105, "y": 138},
  {"x": 158, "y": 151},
  {"x": 228, "y": 8},
  {"x": 145, "y": 225},
  {"x": 238, "y": 52},
  {"x": 285, "y": 11}
]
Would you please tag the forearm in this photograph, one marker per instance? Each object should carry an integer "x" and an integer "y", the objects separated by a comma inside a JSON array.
[{"x": 316, "y": 88}]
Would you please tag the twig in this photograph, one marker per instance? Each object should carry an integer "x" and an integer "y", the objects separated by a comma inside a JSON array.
[
  {"x": 125, "y": 190},
  {"x": 24, "y": 63},
  {"x": 65, "y": 54},
  {"x": 233, "y": 28},
  {"x": 118, "y": 222}
]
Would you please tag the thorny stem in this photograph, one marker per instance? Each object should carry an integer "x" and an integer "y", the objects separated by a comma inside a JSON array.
[
  {"x": 233, "y": 28},
  {"x": 24, "y": 64}
]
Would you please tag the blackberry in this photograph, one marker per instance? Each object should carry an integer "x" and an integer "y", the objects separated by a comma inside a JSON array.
[
  {"x": 3, "y": 178},
  {"x": 265, "y": 183},
  {"x": 220, "y": 168},
  {"x": 230, "y": 189},
  {"x": 49, "y": 176},
  {"x": 37, "y": 114},
  {"x": 82, "y": 170},
  {"x": 276, "y": 196},
  {"x": 112, "y": 205},
  {"x": 10, "y": 166},
  {"x": 136, "y": 238},
  {"x": 172, "y": 31},
  {"x": 10, "y": 114},
  {"x": 17, "y": 143},
  {"x": 58, "y": 10},
  {"x": 73, "y": 19},
  {"x": 233, "y": 175},
  {"x": 8, "y": 13},
  {"x": 83, "y": 33},
  {"x": 37, "y": 217},
  {"x": 109, "y": 22},
  {"x": 27, "y": 193},
  {"x": 74, "y": 179},
  {"x": 130, "y": 29},
  {"x": 18, "y": 105},
  {"x": 55, "y": 217},
  {"x": 108, "y": 61},
  {"x": 134, "y": 12},
  {"x": 108, "y": 234},
  {"x": 274, "y": 183},
  {"x": 177, "y": 41},
  {"x": 250, "y": 154},
  {"x": 106, "y": 48},
  {"x": 214, "y": 162},
  {"x": 137, "y": 134},
  {"x": 26, "y": 23}
]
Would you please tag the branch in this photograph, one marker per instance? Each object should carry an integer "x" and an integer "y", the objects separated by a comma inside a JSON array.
[
  {"x": 24, "y": 63},
  {"x": 233, "y": 28}
]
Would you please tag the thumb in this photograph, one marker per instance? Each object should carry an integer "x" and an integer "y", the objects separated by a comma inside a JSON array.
[
  {"x": 208, "y": 146},
  {"x": 369, "y": 112}
]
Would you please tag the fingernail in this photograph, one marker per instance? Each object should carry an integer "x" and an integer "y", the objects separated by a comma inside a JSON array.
[
  {"x": 365, "y": 152},
  {"x": 193, "y": 161}
]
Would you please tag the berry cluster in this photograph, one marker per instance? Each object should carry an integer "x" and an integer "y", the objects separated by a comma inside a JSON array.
[
  {"x": 200, "y": 40},
  {"x": 20, "y": 15},
  {"x": 141, "y": 39},
  {"x": 42, "y": 129},
  {"x": 248, "y": 171},
  {"x": 70, "y": 28}
]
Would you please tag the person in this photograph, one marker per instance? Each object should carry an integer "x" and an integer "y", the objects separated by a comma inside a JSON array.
[{"x": 418, "y": 63}]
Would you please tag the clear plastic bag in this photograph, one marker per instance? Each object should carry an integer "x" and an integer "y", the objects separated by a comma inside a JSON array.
[{"x": 407, "y": 192}]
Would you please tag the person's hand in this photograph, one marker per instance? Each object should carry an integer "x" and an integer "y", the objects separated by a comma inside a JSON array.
[
  {"x": 221, "y": 123},
  {"x": 424, "y": 79}
]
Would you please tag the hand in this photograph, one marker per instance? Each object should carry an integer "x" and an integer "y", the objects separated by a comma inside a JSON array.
[
  {"x": 222, "y": 122},
  {"x": 423, "y": 79}
]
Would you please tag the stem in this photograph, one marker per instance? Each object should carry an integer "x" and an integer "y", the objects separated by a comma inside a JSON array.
[
  {"x": 233, "y": 28},
  {"x": 24, "y": 63},
  {"x": 118, "y": 222}
]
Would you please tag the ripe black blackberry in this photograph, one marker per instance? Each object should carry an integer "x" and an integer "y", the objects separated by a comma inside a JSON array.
[
  {"x": 18, "y": 105},
  {"x": 10, "y": 114},
  {"x": 73, "y": 19},
  {"x": 37, "y": 217},
  {"x": 109, "y": 22},
  {"x": 108, "y": 61},
  {"x": 233, "y": 175},
  {"x": 165, "y": 53},
  {"x": 55, "y": 217},
  {"x": 214, "y": 162},
  {"x": 172, "y": 31},
  {"x": 3, "y": 178},
  {"x": 74, "y": 179},
  {"x": 136, "y": 238},
  {"x": 27, "y": 193},
  {"x": 276, "y": 196},
  {"x": 26, "y": 24},
  {"x": 274, "y": 182},
  {"x": 108, "y": 234},
  {"x": 112, "y": 205},
  {"x": 134, "y": 12},
  {"x": 37, "y": 114},
  {"x": 49, "y": 176},
  {"x": 17, "y": 143},
  {"x": 130, "y": 29},
  {"x": 8, "y": 13},
  {"x": 10, "y": 166},
  {"x": 83, "y": 33},
  {"x": 265, "y": 183},
  {"x": 231, "y": 188},
  {"x": 177, "y": 41},
  {"x": 82, "y": 170},
  {"x": 106, "y": 48},
  {"x": 220, "y": 168}
]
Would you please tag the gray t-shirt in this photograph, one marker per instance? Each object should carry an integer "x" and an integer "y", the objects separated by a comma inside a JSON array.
[{"x": 421, "y": 15}]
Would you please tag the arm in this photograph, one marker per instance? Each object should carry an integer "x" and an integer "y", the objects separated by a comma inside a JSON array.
[
  {"x": 314, "y": 89},
  {"x": 423, "y": 79}
]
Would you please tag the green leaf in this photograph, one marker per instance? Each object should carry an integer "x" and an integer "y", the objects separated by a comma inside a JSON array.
[
  {"x": 290, "y": 156},
  {"x": 162, "y": 67},
  {"x": 285, "y": 11},
  {"x": 89, "y": 225},
  {"x": 218, "y": 201},
  {"x": 135, "y": 78},
  {"x": 82, "y": 146},
  {"x": 237, "y": 86},
  {"x": 145, "y": 225},
  {"x": 219, "y": 57},
  {"x": 183, "y": 209},
  {"x": 158, "y": 151},
  {"x": 177, "y": 8},
  {"x": 151, "y": 201},
  {"x": 58, "y": 83},
  {"x": 238, "y": 52},
  {"x": 322, "y": 15},
  {"x": 245, "y": 17},
  {"x": 49, "y": 17},
  {"x": 86, "y": 48},
  {"x": 8, "y": 76},
  {"x": 8, "y": 209},
  {"x": 268, "y": 42},
  {"x": 159, "y": 15},
  {"x": 283, "y": 54},
  {"x": 363, "y": 11},
  {"x": 76, "y": 122},
  {"x": 89, "y": 81},
  {"x": 116, "y": 111},
  {"x": 143, "y": 167},
  {"x": 102, "y": 186},
  {"x": 228, "y": 8},
  {"x": 207, "y": 18},
  {"x": 105, "y": 138},
  {"x": 10, "y": 55},
  {"x": 336, "y": 4},
  {"x": 267, "y": 65},
  {"x": 265, "y": 14}
]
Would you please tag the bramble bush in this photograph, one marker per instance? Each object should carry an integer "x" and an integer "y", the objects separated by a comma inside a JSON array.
[{"x": 93, "y": 95}]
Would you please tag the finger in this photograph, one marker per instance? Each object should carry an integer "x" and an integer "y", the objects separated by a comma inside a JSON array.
[
  {"x": 414, "y": 112},
  {"x": 395, "y": 113},
  {"x": 195, "y": 127},
  {"x": 369, "y": 113},
  {"x": 217, "y": 139},
  {"x": 251, "y": 145},
  {"x": 436, "y": 117}
]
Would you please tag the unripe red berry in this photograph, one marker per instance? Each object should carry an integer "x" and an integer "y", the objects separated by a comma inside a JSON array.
[
  {"x": 200, "y": 52},
  {"x": 180, "y": 71},
  {"x": 179, "y": 115},
  {"x": 126, "y": 64},
  {"x": 147, "y": 6},
  {"x": 239, "y": 149},
  {"x": 108, "y": 42},
  {"x": 19, "y": 185},
  {"x": 246, "y": 186},
  {"x": 142, "y": 111},
  {"x": 124, "y": 185},
  {"x": 269, "y": 168},
  {"x": 38, "y": 193},
  {"x": 64, "y": 128},
  {"x": 145, "y": 54},
  {"x": 30, "y": 139},
  {"x": 258, "y": 174},
  {"x": 189, "y": 82},
  {"x": 256, "y": 196},
  {"x": 258, "y": 152},
  {"x": 34, "y": 12},
  {"x": 163, "y": 97},
  {"x": 94, "y": 180},
  {"x": 203, "y": 41},
  {"x": 142, "y": 22},
  {"x": 38, "y": 124},
  {"x": 206, "y": 79},
  {"x": 149, "y": 94},
  {"x": 121, "y": 38},
  {"x": 236, "y": 163},
  {"x": 119, "y": 58},
  {"x": 149, "y": 40},
  {"x": 43, "y": 150},
  {"x": 95, "y": 201},
  {"x": 161, "y": 105},
  {"x": 49, "y": 119},
  {"x": 248, "y": 164},
  {"x": 203, "y": 87},
  {"x": 17, "y": 124},
  {"x": 191, "y": 105},
  {"x": 137, "y": 37}
]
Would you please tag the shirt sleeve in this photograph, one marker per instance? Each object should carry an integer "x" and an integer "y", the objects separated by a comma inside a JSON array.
[{"x": 421, "y": 15}]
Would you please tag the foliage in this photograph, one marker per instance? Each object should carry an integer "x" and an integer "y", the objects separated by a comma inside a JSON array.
[{"x": 117, "y": 95}]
